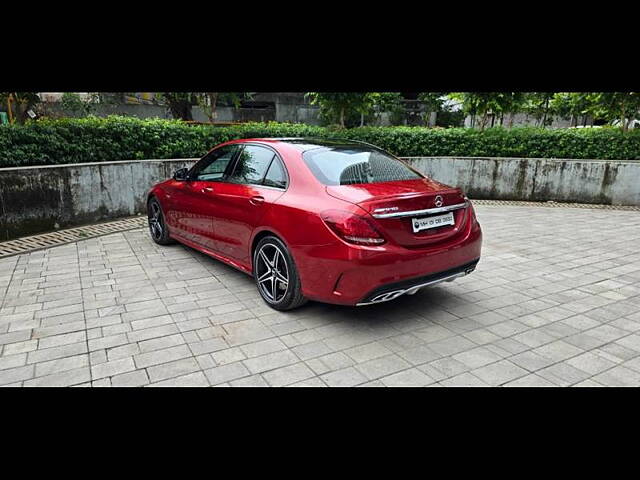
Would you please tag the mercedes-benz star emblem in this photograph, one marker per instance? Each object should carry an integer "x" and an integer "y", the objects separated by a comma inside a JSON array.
[{"x": 439, "y": 201}]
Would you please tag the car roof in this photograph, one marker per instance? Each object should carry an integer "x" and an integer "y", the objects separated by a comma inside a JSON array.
[{"x": 308, "y": 143}]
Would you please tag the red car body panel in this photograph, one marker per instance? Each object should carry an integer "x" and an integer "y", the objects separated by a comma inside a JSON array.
[{"x": 224, "y": 220}]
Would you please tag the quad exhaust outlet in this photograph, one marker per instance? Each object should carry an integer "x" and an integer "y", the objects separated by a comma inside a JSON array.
[{"x": 387, "y": 296}]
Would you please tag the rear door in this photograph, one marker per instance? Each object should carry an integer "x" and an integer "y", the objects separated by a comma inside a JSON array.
[{"x": 258, "y": 179}]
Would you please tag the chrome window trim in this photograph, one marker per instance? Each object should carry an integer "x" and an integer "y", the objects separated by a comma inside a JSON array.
[
  {"x": 264, "y": 186},
  {"x": 428, "y": 211}
]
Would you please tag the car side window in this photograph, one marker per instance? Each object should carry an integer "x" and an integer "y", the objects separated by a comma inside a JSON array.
[
  {"x": 213, "y": 166},
  {"x": 276, "y": 176},
  {"x": 251, "y": 165}
]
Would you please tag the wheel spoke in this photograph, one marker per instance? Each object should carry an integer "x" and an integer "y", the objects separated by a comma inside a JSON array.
[
  {"x": 274, "y": 290},
  {"x": 265, "y": 277},
  {"x": 153, "y": 225},
  {"x": 265, "y": 259}
]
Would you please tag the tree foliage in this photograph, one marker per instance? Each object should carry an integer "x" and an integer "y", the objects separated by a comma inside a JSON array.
[
  {"x": 209, "y": 101},
  {"x": 179, "y": 103},
  {"x": 572, "y": 105},
  {"x": 350, "y": 109},
  {"x": 617, "y": 108},
  {"x": 432, "y": 102},
  {"x": 74, "y": 103},
  {"x": 389, "y": 102},
  {"x": 338, "y": 107},
  {"x": 489, "y": 104},
  {"x": 539, "y": 106}
]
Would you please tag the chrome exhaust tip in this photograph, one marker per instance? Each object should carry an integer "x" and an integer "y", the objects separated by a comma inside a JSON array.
[{"x": 385, "y": 297}]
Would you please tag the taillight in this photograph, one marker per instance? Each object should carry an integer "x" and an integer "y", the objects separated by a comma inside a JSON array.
[
  {"x": 474, "y": 219},
  {"x": 352, "y": 228}
]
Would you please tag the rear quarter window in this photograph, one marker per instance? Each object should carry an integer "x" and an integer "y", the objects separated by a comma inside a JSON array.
[{"x": 276, "y": 176}]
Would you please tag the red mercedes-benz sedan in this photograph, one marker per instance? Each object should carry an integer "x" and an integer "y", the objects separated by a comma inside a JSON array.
[{"x": 329, "y": 220}]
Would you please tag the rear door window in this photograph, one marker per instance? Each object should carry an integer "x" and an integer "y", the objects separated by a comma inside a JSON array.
[{"x": 251, "y": 165}]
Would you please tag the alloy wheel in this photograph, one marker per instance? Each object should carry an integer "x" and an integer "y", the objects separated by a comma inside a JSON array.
[
  {"x": 272, "y": 272},
  {"x": 155, "y": 220}
]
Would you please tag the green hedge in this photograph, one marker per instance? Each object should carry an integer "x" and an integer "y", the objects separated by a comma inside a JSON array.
[{"x": 124, "y": 138}]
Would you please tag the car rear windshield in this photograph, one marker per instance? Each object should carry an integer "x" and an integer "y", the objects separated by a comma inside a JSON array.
[{"x": 354, "y": 165}]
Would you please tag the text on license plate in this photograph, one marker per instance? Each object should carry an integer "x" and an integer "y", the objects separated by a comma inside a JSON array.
[{"x": 432, "y": 222}]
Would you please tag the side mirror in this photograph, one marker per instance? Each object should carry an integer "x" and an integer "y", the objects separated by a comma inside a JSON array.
[{"x": 181, "y": 174}]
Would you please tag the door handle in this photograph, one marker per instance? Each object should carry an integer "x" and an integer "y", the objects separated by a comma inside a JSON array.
[
  {"x": 207, "y": 190},
  {"x": 256, "y": 200}
]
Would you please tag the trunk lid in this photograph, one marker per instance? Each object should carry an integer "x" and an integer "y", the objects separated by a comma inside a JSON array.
[{"x": 406, "y": 196}]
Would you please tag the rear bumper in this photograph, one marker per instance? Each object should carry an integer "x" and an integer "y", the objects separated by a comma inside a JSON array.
[
  {"x": 351, "y": 275},
  {"x": 409, "y": 287}
]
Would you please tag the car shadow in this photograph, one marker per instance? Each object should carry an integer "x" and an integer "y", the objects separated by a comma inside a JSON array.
[{"x": 424, "y": 304}]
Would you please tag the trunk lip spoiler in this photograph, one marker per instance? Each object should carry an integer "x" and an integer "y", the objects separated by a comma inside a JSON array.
[{"x": 428, "y": 211}]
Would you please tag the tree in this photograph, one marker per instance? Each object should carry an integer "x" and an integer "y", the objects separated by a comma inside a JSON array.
[
  {"x": 349, "y": 109},
  {"x": 616, "y": 106},
  {"x": 486, "y": 104},
  {"x": 539, "y": 106},
  {"x": 511, "y": 103},
  {"x": 72, "y": 102},
  {"x": 180, "y": 103},
  {"x": 572, "y": 105},
  {"x": 18, "y": 104},
  {"x": 613, "y": 107},
  {"x": 209, "y": 101},
  {"x": 390, "y": 102},
  {"x": 433, "y": 102},
  {"x": 337, "y": 107}
]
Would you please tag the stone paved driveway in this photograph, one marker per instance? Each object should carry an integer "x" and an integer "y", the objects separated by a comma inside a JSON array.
[{"x": 555, "y": 301}]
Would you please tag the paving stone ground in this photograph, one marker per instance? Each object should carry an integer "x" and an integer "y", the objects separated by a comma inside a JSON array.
[{"x": 555, "y": 300}]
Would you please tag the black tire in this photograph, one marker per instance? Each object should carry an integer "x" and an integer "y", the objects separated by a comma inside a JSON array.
[
  {"x": 271, "y": 286},
  {"x": 157, "y": 226}
]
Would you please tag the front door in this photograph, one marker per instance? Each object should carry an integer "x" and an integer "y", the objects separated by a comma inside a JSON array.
[{"x": 194, "y": 199}]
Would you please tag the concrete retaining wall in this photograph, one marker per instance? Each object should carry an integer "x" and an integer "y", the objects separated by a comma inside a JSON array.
[
  {"x": 538, "y": 179},
  {"x": 40, "y": 199}
]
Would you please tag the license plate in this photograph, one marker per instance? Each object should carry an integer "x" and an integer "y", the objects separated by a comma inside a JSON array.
[{"x": 432, "y": 222}]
